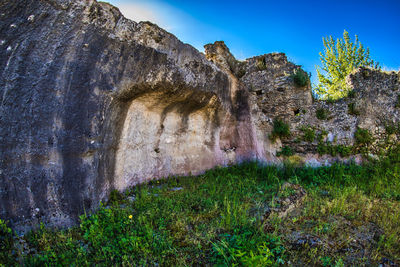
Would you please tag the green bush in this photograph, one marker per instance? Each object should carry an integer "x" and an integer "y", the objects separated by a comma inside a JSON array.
[
  {"x": 339, "y": 58},
  {"x": 308, "y": 133},
  {"x": 300, "y": 78},
  {"x": 334, "y": 150},
  {"x": 245, "y": 247},
  {"x": 322, "y": 114},
  {"x": 6, "y": 244},
  {"x": 391, "y": 128},
  {"x": 261, "y": 64},
  {"x": 363, "y": 137},
  {"x": 351, "y": 94},
  {"x": 344, "y": 151},
  {"x": 285, "y": 151},
  {"x": 281, "y": 129}
]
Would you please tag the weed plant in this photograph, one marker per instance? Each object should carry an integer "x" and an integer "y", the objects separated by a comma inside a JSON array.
[
  {"x": 300, "y": 78},
  {"x": 322, "y": 114},
  {"x": 281, "y": 129}
]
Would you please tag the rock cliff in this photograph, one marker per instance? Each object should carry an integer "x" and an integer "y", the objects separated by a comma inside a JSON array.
[{"x": 91, "y": 101}]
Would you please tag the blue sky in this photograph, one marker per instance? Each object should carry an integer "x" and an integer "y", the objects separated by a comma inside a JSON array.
[{"x": 251, "y": 28}]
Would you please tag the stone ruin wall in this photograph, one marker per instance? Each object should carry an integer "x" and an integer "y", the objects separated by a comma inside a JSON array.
[
  {"x": 373, "y": 105},
  {"x": 91, "y": 102}
]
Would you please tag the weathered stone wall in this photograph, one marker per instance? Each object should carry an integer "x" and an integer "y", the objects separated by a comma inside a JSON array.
[
  {"x": 373, "y": 107},
  {"x": 91, "y": 101}
]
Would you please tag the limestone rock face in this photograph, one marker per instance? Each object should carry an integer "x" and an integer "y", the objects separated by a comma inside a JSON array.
[{"x": 91, "y": 101}]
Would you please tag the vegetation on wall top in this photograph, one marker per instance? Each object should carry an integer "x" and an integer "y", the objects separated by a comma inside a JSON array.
[
  {"x": 300, "y": 78},
  {"x": 339, "y": 58}
]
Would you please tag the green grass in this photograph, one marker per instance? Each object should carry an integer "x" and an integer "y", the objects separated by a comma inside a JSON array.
[
  {"x": 285, "y": 151},
  {"x": 216, "y": 219},
  {"x": 363, "y": 137},
  {"x": 6, "y": 244},
  {"x": 261, "y": 63},
  {"x": 308, "y": 133}
]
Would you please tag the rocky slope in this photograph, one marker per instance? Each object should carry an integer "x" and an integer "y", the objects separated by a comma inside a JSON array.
[{"x": 91, "y": 101}]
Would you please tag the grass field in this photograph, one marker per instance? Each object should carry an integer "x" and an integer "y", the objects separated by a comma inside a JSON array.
[{"x": 350, "y": 216}]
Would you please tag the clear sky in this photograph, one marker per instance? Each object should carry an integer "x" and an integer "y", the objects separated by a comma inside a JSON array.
[{"x": 251, "y": 28}]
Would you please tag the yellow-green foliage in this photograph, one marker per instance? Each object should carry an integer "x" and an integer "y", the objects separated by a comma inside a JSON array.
[
  {"x": 6, "y": 244},
  {"x": 339, "y": 58},
  {"x": 322, "y": 114}
]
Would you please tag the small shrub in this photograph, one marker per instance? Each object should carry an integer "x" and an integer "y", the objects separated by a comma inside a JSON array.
[
  {"x": 243, "y": 249},
  {"x": 343, "y": 150},
  {"x": 300, "y": 78},
  {"x": 322, "y": 114},
  {"x": 331, "y": 100},
  {"x": 281, "y": 130},
  {"x": 6, "y": 244},
  {"x": 322, "y": 149},
  {"x": 321, "y": 135},
  {"x": 308, "y": 133},
  {"x": 352, "y": 109},
  {"x": 363, "y": 137},
  {"x": 261, "y": 63},
  {"x": 55, "y": 248},
  {"x": 391, "y": 128},
  {"x": 332, "y": 150},
  {"x": 285, "y": 151}
]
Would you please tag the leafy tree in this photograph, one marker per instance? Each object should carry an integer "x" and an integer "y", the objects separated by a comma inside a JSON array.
[{"x": 338, "y": 60}]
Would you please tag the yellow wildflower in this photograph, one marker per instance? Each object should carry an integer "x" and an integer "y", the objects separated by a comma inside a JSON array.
[{"x": 130, "y": 217}]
